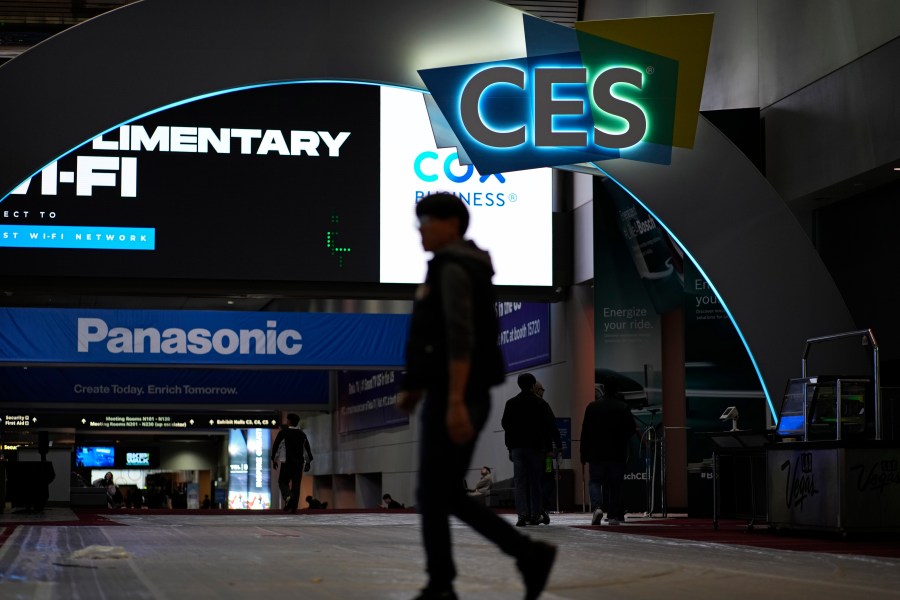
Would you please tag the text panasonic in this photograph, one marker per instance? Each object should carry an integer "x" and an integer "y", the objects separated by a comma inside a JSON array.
[{"x": 172, "y": 340}]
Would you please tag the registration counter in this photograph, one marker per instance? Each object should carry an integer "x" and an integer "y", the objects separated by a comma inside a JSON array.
[
  {"x": 842, "y": 486},
  {"x": 832, "y": 468}
]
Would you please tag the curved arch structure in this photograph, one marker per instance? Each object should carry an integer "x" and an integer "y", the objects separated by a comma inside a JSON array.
[
  {"x": 158, "y": 52},
  {"x": 749, "y": 246}
]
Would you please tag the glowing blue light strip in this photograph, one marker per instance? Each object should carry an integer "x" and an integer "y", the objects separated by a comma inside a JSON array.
[{"x": 708, "y": 280}]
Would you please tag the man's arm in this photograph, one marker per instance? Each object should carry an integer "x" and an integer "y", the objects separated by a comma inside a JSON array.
[
  {"x": 278, "y": 440},
  {"x": 553, "y": 430},
  {"x": 584, "y": 435},
  {"x": 307, "y": 448},
  {"x": 457, "y": 305},
  {"x": 459, "y": 425}
]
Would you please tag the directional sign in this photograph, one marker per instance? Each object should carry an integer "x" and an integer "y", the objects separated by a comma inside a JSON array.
[{"x": 139, "y": 420}]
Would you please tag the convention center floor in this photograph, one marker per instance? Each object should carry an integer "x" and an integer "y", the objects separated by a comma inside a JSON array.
[{"x": 62, "y": 554}]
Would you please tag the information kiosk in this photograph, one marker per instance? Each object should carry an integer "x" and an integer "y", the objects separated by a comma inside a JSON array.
[{"x": 830, "y": 468}]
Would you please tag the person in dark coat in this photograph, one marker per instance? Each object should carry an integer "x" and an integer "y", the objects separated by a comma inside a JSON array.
[
  {"x": 291, "y": 449},
  {"x": 529, "y": 426},
  {"x": 390, "y": 503},
  {"x": 452, "y": 361},
  {"x": 605, "y": 431}
]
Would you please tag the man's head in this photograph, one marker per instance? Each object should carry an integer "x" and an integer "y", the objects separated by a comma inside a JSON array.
[
  {"x": 538, "y": 389},
  {"x": 526, "y": 382},
  {"x": 485, "y": 471},
  {"x": 443, "y": 218},
  {"x": 293, "y": 419},
  {"x": 387, "y": 498}
]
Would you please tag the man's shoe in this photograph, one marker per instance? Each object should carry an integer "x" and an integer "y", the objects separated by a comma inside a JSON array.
[
  {"x": 597, "y": 519},
  {"x": 535, "y": 567},
  {"x": 522, "y": 522},
  {"x": 612, "y": 521},
  {"x": 432, "y": 594},
  {"x": 535, "y": 520}
]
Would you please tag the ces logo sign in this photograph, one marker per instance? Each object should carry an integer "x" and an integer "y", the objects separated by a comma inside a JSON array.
[{"x": 606, "y": 89}]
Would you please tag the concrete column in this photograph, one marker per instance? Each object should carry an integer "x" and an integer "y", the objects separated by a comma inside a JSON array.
[
  {"x": 581, "y": 326},
  {"x": 674, "y": 409}
]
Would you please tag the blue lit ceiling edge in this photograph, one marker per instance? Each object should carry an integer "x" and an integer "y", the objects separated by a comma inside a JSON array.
[{"x": 712, "y": 286}]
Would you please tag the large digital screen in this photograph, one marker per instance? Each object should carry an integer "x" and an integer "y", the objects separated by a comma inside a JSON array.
[
  {"x": 248, "y": 457},
  {"x": 135, "y": 458},
  {"x": 510, "y": 213},
  {"x": 95, "y": 456},
  {"x": 309, "y": 182}
]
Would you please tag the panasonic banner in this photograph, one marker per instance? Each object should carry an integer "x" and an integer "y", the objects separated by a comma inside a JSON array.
[{"x": 150, "y": 337}]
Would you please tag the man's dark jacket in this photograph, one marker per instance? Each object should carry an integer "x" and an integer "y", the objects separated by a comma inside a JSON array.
[
  {"x": 295, "y": 442},
  {"x": 607, "y": 427},
  {"x": 427, "y": 356},
  {"x": 528, "y": 422}
]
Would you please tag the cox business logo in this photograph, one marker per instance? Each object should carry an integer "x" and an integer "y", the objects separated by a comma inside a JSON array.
[
  {"x": 429, "y": 167},
  {"x": 95, "y": 332},
  {"x": 426, "y": 161},
  {"x": 580, "y": 95}
]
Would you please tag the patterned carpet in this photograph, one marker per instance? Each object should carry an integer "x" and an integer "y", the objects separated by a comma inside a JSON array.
[{"x": 736, "y": 532}]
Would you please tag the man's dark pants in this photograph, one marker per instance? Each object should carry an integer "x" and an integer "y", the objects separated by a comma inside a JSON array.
[
  {"x": 528, "y": 467},
  {"x": 289, "y": 482},
  {"x": 441, "y": 492},
  {"x": 607, "y": 482}
]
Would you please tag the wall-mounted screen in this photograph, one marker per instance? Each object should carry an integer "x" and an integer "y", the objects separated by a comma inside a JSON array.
[
  {"x": 311, "y": 182},
  {"x": 137, "y": 458},
  {"x": 95, "y": 456}
]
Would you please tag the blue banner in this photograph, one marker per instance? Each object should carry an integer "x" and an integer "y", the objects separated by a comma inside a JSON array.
[
  {"x": 524, "y": 334},
  {"x": 367, "y": 400},
  {"x": 564, "y": 425},
  {"x": 155, "y": 337},
  {"x": 123, "y": 385}
]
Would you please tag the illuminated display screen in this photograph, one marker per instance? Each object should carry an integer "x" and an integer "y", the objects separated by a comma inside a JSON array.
[
  {"x": 95, "y": 456},
  {"x": 510, "y": 213},
  {"x": 248, "y": 458},
  {"x": 308, "y": 182},
  {"x": 137, "y": 459}
]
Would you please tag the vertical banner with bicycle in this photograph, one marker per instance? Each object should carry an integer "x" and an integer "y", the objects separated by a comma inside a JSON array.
[
  {"x": 635, "y": 281},
  {"x": 640, "y": 276}
]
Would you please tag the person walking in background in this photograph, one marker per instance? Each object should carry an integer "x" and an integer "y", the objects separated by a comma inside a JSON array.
[
  {"x": 291, "y": 449},
  {"x": 605, "y": 431},
  {"x": 528, "y": 425},
  {"x": 452, "y": 361}
]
